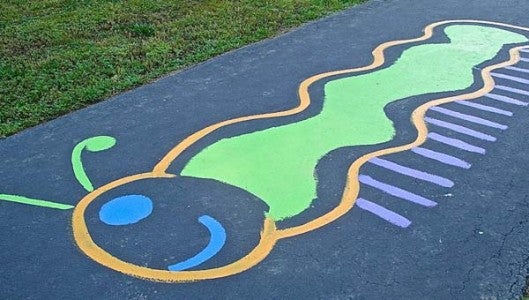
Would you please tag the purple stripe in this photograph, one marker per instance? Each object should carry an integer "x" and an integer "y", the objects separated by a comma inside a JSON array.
[
  {"x": 506, "y": 99},
  {"x": 517, "y": 69},
  {"x": 469, "y": 118},
  {"x": 513, "y": 90},
  {"x": 411, "y": 172},
  {"x": 455, "y": 143},
  {"x": 384, "y": 213},
  {"x": 524, "y": 50},
  {"x": 524, "y": 59},
  {"x": 461, "y": 129},
  {"x": 395, "y": 191},
  {"x": 441, "y": 157},
  {"x": 512, "y": 78},
  {"x": 485, "y": 107}
]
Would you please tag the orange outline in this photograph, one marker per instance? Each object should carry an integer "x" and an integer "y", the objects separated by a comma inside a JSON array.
[{"x": 270, "y": 234}]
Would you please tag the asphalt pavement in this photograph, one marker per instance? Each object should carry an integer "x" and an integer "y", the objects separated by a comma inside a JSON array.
[{"x": 461, "y": 234}]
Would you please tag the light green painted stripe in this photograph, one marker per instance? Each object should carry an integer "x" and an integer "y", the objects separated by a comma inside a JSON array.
[
  {"x": 36, "y": 202},
  {"x": 278, "y": 164}
]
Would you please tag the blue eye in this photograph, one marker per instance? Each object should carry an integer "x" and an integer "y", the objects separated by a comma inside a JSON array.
[{"x": 125, "y": 210}]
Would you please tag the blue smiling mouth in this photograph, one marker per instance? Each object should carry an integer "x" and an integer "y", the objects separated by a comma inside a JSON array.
[
  {"x": 130, "y": 209},
  {"x": 216, "y": 242}
]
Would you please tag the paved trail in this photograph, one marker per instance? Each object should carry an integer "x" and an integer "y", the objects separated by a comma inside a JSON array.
[{"x": 440, "y": 204}]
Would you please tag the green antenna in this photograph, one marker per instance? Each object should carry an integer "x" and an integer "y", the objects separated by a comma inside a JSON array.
[
  {"x": 93, "y": 144},
  {"x": 36, "y": 202}
]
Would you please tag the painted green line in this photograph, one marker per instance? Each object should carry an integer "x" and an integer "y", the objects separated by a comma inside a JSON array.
[
  {"x": 36, "y": 202},
  {"x": 278, "y": 164},
  {"x": 93, "y": 144}
]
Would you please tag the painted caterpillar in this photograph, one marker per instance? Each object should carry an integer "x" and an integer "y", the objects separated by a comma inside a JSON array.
[{"x": 275, "y": 166}]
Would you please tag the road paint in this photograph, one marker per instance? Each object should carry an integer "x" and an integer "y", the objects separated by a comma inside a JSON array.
[
  {"x": 455, "y": 143},
  {"x": 467, "y": 117},
  {"x": 441, "y": 157},
  {"x": 511, "y": 78},
  {"x": 513, "y": 90},
  {"x": 126, "y": 210},
  {"x": 270, "y": 234},
  {"x": 441, "y": 181},
  {"x": 260, "y": 162},
  {"x": 460, "y": 129},
  {"x": 506, "y": 99},
  {"x": 485, "y": 108},
  {"x": 383, "y": 212},
  {"x": 517, "y": 69},
  {"x": 35, "y": 202},
  {"x": 396, "y": 191},
  {"x": 216, "y": 242},
  {"x": 93, "y": 144}
]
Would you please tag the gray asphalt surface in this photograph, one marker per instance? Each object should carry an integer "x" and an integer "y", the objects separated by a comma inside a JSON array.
[{"x": 473, "y": 245}]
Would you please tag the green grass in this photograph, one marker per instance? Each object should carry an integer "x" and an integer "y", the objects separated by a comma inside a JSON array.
[{"x": 60, "y": 55}]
